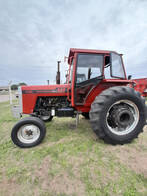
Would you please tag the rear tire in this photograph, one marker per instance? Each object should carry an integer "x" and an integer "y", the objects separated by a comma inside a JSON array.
[
  {"x": 118, "y": 115},
  {"x": 28, "y": 132}
]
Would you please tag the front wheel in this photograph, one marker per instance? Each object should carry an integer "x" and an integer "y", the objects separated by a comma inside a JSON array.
[
  {"x": 28, "y": 132},
  {"x": 118, "y": 115}
]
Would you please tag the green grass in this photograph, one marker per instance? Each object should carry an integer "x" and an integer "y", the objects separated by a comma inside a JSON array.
[{"x": 70, "y": 162}]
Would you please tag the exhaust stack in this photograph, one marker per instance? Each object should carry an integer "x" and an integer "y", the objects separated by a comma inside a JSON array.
[{"x": 58, "y": 73}]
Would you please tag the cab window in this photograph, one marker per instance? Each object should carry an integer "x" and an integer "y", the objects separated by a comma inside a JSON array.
[
  {"x": 88, "y": 66},
  {"x": 117, "y": 70}
]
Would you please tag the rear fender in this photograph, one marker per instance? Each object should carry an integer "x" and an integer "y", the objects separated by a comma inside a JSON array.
[{"x": 103, "y": 85}]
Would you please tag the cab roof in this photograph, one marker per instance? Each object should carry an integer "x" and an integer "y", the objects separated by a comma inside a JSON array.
[{"x": 78, "y": 50}]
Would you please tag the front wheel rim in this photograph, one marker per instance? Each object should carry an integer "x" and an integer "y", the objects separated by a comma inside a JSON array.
[
  {"x": 130, "y": 111},
  {"x": 28, "y": 133}
]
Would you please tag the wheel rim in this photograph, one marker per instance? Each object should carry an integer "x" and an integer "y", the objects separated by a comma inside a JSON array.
[
  {"x": 28, "y": 133},
  {"x": 122, "y": 117}
]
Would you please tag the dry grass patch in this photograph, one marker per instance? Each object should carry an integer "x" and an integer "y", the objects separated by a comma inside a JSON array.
[
  {"x": 132, "y": 155},
  {"x": 64, "y": 183}
]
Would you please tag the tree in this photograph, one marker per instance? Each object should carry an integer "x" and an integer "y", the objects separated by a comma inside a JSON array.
[
  {"x": 15, "y": 86},
  {"x": 22, "y": 84}
]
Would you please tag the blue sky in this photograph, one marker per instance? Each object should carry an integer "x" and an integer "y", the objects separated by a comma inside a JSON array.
[{"x": 35, "y": 34}]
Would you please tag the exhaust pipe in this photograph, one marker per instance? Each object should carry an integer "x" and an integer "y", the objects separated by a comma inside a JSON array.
[{"x": 58, "y": 73}]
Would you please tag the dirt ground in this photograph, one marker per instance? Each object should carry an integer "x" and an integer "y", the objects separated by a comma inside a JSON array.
[{"x": 134, "y": 158}]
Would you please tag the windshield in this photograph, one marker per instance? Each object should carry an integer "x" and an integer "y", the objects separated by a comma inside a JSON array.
[{"x": 89, "y": 66}]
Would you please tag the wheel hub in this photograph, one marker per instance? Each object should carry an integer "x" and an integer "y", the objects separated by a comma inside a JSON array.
[
  {"x": 122, "y": 116},
  {"x": 28, "y": 133}
]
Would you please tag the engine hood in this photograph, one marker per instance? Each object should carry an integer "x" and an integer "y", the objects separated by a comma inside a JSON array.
[{"x": 45, "y": 89}]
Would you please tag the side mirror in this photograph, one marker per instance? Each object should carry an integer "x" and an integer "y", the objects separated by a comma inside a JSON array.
[{"x": 129, "y": 77}]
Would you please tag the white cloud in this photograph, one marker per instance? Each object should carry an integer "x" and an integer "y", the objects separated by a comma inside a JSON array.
[{"x": 35, "y": 34}]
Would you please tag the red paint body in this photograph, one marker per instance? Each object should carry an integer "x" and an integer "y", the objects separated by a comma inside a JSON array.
[
  {"x": 31, "y": 93},
  {"x": 141, "y": 86},
  {"x": 29, "y": 99}
]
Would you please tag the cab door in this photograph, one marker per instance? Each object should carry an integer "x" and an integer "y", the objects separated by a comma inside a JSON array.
[{"x": 88, "y": 74}]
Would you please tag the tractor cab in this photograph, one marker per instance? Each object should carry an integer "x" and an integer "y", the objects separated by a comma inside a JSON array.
[
  {"x": 97, "y": 88},
  {"x": 88, "y": 68}
]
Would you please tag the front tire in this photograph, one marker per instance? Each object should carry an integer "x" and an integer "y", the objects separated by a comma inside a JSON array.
[
  {"x": 28, "y": 132},
  {"x": 118, "y": 115}
]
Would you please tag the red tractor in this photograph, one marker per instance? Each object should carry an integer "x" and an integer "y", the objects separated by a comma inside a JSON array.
[{"x": 97, "y": 87}]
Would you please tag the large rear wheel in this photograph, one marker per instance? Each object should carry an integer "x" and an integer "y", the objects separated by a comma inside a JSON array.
[{"x": 118, "y": 115}]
